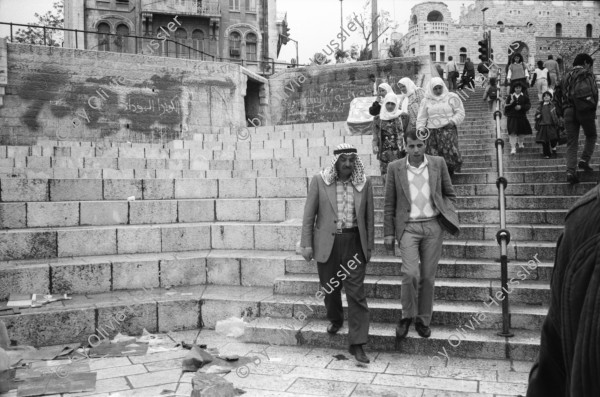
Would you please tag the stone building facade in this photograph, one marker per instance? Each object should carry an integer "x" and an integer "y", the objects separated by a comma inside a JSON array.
[
  {"x": 241, "y": 31},
  {"x": 532, "y": 28}
]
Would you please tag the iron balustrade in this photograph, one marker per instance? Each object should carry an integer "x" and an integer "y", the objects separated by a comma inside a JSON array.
[{"x": 503, "y": 235}]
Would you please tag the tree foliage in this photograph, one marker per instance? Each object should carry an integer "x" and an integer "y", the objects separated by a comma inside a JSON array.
[
  {"x": 567, "y": 49},
  {"x": 396, "y": 50},
  {"x": 385, "y": 24},
  {"x": 53, "y": 19},
  {"x": 319, "y": 59}
]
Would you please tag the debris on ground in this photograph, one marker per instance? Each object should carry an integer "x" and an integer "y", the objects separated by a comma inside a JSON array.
[
  {"x": 33, "y": 300},
  {"x": 340, "y": 357},
  {"x": 233, "y": 327},
  {"x": 196, "y": 359},
  {"x": 211, "y": 385}
]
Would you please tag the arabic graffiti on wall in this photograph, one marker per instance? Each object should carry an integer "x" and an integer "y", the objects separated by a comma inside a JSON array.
[{"x": 324, "y": 93}]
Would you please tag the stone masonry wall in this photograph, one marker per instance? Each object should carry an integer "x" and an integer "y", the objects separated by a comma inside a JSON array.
[
  {"x": 323, "y": 93},
  {"x": 78, "y": 94}
]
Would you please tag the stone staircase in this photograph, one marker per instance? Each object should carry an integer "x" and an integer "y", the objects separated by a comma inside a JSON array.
[{"x": 213, "y": 228}]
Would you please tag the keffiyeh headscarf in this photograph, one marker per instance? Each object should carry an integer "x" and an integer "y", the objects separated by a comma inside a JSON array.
[{"x": 358, "y": 178}]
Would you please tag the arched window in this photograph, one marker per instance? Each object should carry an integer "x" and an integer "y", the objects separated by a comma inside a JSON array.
[
  {"x": 121, "y": 42},
  {"x": 251, "y": 47},
  {"x": 235, "y": 40},
  {"x": 558, "y": 30},
  {"x": 103, "y": 37},
  {"x": 435, "y": 16},
  {"x": 413, "y": 20},
  {"x": 198, "y": 39},
  {"x": 588, "y": 30},
  {"x": 180, "y": 34},
  {"x": 462, "y": 55},
  {"x": 197, "y": 35}
]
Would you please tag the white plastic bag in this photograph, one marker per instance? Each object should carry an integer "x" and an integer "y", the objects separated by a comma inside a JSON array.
[{"x": 233, "y": 327}]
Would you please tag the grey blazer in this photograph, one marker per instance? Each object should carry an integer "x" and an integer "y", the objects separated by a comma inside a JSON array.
[
  {"x": 321, "y": 203},
  {"x": 397, "y": 196}
]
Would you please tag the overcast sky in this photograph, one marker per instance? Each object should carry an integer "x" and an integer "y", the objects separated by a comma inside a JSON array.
[{"x": 313, "y": 23}]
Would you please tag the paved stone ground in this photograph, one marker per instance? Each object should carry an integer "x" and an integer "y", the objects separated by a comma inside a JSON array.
[{"x": 304, "y": 371}]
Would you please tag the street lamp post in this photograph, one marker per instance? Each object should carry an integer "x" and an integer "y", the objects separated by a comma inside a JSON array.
[
  {"x": 342, "y": 22},
  {"x": 297, "y": 60}
]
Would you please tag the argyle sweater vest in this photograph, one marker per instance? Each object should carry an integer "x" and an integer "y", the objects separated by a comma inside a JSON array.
[{"x": 422, "y": 207}]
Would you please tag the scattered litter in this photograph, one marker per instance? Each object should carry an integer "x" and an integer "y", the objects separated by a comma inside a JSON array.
[
  {"x": 232, "y": 327},
  {"x": 232, "y": 357},
  {"x": 196, "y": 359},
  {"x": 52, "y": 384},
  {"x": 131, "y": 198},
  {"x": 119, "y": 349},
  {"x": 120, "y": 338},
  {"x": 340, "y": 357},
  {"x": 217, "y": 369},
  {"x": 33, "y": 300},
  {"x": 275, "y": 359}
]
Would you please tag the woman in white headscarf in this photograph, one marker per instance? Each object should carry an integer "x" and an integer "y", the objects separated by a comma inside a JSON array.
[
  {"x": 414, "y": 96},
  {"x": 440, "y": 114},
  {"x": 388, "y": 133},
  {"x": 382, "y": 90}
]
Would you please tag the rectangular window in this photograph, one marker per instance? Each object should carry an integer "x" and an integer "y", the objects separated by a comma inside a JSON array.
[
  {"x": 251, "y": 5},
  {"x": 234, "y": 5},
  {"x": 251, "y": 51},
  {"x": 432, "y": 53},
  {"x": 442, "y": 53}
]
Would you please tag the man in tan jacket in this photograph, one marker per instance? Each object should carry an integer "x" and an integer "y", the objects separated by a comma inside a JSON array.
[
  {"x": 338, "y": 230},
  {"x": 419, "y": 203}
]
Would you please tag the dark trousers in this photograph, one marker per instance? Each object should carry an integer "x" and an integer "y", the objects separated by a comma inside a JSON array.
[
  {"x": 548, "y": 146},
  {"x": 574, "y": 120},
  {"x": 346, "y": 267}
]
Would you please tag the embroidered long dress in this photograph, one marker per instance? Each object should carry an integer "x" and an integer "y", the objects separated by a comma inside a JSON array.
[{"x": 390, "y": 140}]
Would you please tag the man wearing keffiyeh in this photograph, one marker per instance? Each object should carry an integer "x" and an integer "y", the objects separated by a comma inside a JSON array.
[{"x": 338, "y": 232}]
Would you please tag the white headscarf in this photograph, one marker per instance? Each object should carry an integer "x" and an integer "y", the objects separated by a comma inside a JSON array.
[
  {"x": 435, "y": 81},
  {"x": 388, "y": 88},
  {"x": 410, "y": 86},
  {"x": 384, "y": 114},
  {"x": 358, "y": 178}
]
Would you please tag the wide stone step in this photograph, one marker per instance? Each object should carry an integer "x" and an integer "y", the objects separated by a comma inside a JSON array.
[
  {"x": 382, "y": 336},
  {"x": 447, "y": 268},
  {"x": 389, "y": 311},
  {"x": 388, "y": 287},
  {"x": 512, "y": 202}
]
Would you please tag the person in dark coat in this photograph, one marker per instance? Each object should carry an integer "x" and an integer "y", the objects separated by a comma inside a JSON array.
[
  {"x": 469, "y": 73},
  {"x": 568, "y": 363},
  {"x": 517, "y": 124},
  {"x": 546, "y": 125},
  {"x": 383, "y": 89}
]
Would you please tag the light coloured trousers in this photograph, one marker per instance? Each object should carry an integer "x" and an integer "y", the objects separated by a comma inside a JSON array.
[
  {"x": 542, "y": 86},
  {"x": 420, "y": 249}
]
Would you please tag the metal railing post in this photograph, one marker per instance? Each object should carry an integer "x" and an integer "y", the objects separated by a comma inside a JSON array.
[{"x": 503, "y": 235}]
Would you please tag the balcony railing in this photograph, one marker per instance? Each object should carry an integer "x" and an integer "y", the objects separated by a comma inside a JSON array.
[
  {"x": 435, "y": 27},
  {"x": 207, "y": 8}
]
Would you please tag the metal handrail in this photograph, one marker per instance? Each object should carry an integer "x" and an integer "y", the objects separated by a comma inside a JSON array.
[{"x": 503, "y": 235}]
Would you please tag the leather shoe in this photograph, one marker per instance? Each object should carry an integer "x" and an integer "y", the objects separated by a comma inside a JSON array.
[
  {"x": 584, "y": 166},
  {"x": 423, "y": 330},
  {"x": 572, "y": 178},
  {"x": 358, "y": 353},
  {"x": 402, "y": 328},
  {"x": 333, "y": 329}
]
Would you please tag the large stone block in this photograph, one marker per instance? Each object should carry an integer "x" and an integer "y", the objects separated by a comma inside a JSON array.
[
  {"x": 88, "y": 173},
  {"x": 275, "y": 187},
  {"x": 232, "y": 236},
  {"x": 132, "y": 152},
  {"x": 158, "y": 189},
  {"x": 277, "y": 237},
  {"x": 178, "y": 314},
  {"x": 272, "y": 210},
  {"x": 169, "y": 174},
  {"x": 179, "y": 154},
  {"x": 25, "y": 244},
  {"x": 138, "y": 239},
  {"x": 44, "y": 214},
  {"x": 195, "y": 188},
  {"x": 294, "y": 208},
  {"x": 23, "y": 190},
  {"x": 157, "y": 153},
  {"x": 135, "y": 274},
  {"x": 144, "y": 174},
  {"x": 238, "y": 210},
  {"x": 237, "y": 188},
  {"x": 183, "y": 269},
  {"x": 136, "y": 317},
  {"x": 156, "y": 164},
  {"x": 178, "y": 164},
  {"x": 121, "y": 189},
  {"x": 217, "y": 310},
  {"x": 75, "y": 189},
  {"x": 176, "y": 238},
  {"x": 117, "y": 174},
  {"x": 81, "y": 278},
  {"x": 65, "y": 173},
  {"x": 22, "y": 279},
  {"x": 261, "y": 271},
  {"x": 100, "y": 162},
  {"x": 84, "y": 242},
  {"x": 223, "y": 271},
  {"x": 194, "y": 174},
  {"x": 96, "y": 213},
  {"x": 131, "y": 163},
  {"x": 13, "y": 216},
  {"x": 38, "y": 162},
  {"x": 196, "y": 211},
  {"x": 152, "y": 212}
]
